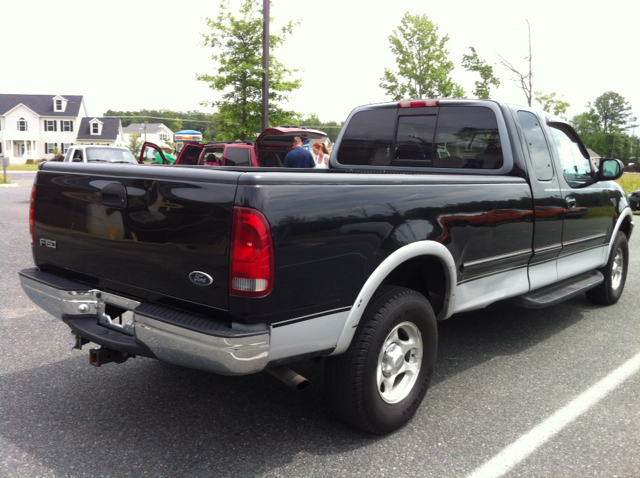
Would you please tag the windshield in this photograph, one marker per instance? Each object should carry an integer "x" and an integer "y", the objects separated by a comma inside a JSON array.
[{"x": 112, "y": 155}]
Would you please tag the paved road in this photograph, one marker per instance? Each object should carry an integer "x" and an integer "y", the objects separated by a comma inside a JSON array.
[
  {"x": 508, "y": 380},
  {"x": 20, "y": 177}
]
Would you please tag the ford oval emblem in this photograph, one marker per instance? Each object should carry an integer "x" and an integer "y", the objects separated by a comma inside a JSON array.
[{"x": 200, "y": 278}]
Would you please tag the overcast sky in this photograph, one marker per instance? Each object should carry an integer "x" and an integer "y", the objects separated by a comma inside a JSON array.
[{"x": 135, "y": 54}]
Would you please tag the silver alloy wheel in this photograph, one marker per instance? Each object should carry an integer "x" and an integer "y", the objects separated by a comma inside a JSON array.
[
  {"x": 617, "y": 269},
  {"x": 399, "y": 362}
]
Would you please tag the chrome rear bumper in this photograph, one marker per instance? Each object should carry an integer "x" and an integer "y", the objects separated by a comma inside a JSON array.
[{"x": 171, "y": 336}]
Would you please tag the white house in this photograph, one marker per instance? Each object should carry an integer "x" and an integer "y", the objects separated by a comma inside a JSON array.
[
  {"x": 106, "y": 131},
  {"x": 32, "y": 126},
  {"x": 157, "y": 133}
]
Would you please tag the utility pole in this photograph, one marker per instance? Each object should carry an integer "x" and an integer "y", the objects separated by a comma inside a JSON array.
[{"x": 265, "y": 64}]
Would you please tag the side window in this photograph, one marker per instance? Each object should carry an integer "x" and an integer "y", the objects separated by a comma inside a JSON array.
[
  {"x": 414, "y": 140},
  {"x": 467, "y": 137},
  {"x": 190, "y": 154},
  {"x": 368, "y": 138},
  {"x": 537, "y": 145},
  {"x": 575, "y": 164},
  {"x": 211, "y": 157},
  {"x": 237, "y": 157}
]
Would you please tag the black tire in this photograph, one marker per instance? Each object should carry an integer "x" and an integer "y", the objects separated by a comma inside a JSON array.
[
  {"x": 615, "y": 274},
  {"x": 379, "y": 382}
]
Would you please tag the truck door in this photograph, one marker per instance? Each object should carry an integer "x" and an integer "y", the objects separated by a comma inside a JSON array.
[
  {"x": 151, "y": 153},
  {"x": 589, "y": 209},
  {"x": 547, "y": 199}
]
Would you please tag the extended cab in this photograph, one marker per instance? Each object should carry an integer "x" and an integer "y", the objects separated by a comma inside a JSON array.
[{"x": 429, "y": 208}]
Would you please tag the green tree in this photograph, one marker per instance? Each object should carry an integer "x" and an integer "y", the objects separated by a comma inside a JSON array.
[
  {"x": 423, "y": 68},
  {"x": 586, "y": 123},
  {"x": 237, "y": 43},
  {"x": 134, "y": 144},
  {"x": 332, "y": 128},
  {"x": 614, "y": 112},
  {"x": 474, "y": 63},
  {"x": 551, "y": 104}
]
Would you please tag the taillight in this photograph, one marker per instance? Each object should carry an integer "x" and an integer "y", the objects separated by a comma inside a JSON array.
[
  {"x": 251, "y": 263},
  {"x": 417, "y": 103},
  {"x": 33, "y": 199}
]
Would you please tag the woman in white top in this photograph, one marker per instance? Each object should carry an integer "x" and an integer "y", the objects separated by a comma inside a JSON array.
[{"x": 321, "y": 155}]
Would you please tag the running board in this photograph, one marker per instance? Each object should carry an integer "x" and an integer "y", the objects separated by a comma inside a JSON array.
[{"x": 561, "y": 291}]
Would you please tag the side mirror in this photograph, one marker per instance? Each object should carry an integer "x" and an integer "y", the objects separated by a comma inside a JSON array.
[
  {"x": 76, "y": 160},
  {"x": 610, "y": 169}
]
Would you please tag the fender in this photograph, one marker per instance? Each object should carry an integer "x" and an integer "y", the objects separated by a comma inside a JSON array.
[
  {"x": 627, "y": 212},
  {"x": 416, "y": 249}
]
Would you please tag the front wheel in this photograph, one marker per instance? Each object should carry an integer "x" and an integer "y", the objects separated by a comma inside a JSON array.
[
  {"x": 615, "y": 274},
  {"x": 379, "y": 382}
]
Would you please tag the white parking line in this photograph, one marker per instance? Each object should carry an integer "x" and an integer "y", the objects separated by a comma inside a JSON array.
[{"x": 531, "y": 441}]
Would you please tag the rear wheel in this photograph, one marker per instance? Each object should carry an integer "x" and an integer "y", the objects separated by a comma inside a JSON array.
[
  {"x": 379, "y": 382},
  {"x": 615, "y": 274}
]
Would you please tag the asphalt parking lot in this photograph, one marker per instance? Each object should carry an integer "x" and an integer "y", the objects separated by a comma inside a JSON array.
[{"x": 517, "y": 393}]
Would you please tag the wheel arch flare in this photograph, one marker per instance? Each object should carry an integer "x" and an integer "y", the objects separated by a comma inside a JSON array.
[{"x": 420, "y": 249}]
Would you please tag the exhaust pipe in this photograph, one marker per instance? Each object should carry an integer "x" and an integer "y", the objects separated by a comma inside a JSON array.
[
  {"x": 289, "y": 377},
  {"x": 104, "y": 355}
]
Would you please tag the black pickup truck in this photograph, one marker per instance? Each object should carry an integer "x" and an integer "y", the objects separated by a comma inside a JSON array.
[{"x": 429, "y": 208}]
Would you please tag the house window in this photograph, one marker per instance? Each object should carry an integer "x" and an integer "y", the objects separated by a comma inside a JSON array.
[
  {"x": 95, "y": 128},
  {"x": 65, "y": 147},
  {"x": 22, "y": 124},
  {"x": 66, "y": 125},
  {"x": 49, "y": 125},
  {"x": 50, "y": 147},
  {"x": 163, "y": 137},
  {"x": 58, "y": 105}
]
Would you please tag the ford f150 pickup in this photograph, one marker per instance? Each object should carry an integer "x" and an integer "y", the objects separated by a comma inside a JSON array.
[{"x": 429, "y": 208}]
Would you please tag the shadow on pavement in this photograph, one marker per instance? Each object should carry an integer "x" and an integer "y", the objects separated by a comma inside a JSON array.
[{"x": 145, "y": 417}]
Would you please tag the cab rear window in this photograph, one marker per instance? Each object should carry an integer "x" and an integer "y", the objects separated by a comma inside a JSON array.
[{"x": 444, "y": 137}]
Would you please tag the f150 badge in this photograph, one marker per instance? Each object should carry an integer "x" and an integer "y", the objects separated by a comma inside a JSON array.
[
  {"x": 48, "y": 243},
  {"x": 200, "y": 278}
]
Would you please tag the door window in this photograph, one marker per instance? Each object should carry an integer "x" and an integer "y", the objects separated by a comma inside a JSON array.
[
  {"x": 537, "y": 145},
  {"x": 575, "y": 162},
  {"x": 211, "y": 157},
  {"x": 237, "y": 157}
]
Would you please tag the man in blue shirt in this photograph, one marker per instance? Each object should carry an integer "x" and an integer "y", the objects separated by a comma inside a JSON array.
[{"x": 298, "y": 157}]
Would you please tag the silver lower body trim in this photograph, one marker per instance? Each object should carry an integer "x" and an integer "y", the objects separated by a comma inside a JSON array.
[{"x": 222, "y": 354}]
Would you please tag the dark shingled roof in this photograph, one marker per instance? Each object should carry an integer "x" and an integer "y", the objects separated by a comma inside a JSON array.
[
  {"x": 109, "y": 129},
  {"x": 41, "y": 104}
]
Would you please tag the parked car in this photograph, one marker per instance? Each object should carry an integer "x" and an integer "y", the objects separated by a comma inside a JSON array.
[
  {"x": 269, "y": 149},
  {"x": 634, "y": 200},
  {"x": 81, "y": 153}
]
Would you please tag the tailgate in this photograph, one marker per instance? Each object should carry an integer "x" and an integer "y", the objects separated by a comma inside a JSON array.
[{"x": 158, "y": 232}]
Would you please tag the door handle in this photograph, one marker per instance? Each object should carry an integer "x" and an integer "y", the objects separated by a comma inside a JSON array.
[
  {"x": 114, "y": 195},
  {"x": 571, "y": 202}
]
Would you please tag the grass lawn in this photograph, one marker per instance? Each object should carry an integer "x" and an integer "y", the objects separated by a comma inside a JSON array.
[
  {"x": 23, "y": 167},
  {"x": 629, "y": 181}
]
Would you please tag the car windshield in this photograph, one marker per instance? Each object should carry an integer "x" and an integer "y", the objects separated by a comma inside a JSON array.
[{"x": 112, "y": 155}]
